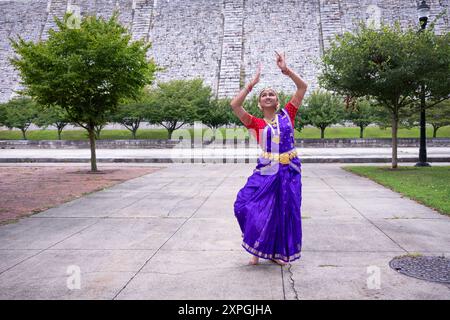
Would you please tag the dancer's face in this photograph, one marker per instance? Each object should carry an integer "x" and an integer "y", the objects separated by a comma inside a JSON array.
[{"x": 268, "y": 99}]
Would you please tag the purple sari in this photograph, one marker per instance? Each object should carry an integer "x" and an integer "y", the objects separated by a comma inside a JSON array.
[{"x": 268, "y": 207}]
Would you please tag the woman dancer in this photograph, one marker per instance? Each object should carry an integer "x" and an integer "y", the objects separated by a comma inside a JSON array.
[{"x": 268, "y": 206}]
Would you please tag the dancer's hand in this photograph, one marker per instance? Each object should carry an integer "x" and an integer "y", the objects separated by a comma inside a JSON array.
[{"x": 281, "y": 62}]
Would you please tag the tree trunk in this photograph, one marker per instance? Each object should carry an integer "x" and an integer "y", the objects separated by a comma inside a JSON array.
[
  {"x": 170, "y": 132},
  {"x": 435, "y": 129},
  {"x": 214, "y": 131},
  {"x": 361, "y": 131},
  {"x": 59, "y": 134},
  {"x": 23, "y": 134},
  {"x": 322, "y": 133},
  {"x": 394, "y": 141},
  {"x": 133, "y": 133},
  {"x": 92, "y": 143}
]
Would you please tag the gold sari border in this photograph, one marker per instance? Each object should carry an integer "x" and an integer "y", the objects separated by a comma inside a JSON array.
[{"x": 271, "y": 256}]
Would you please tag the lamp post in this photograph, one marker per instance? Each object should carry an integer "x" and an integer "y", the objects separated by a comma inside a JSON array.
[{"x": 423, "y": 11}]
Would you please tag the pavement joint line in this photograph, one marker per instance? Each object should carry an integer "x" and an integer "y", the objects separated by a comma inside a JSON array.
[
  {"x": 109, "y": 217},
  {"x": 282, "y": 284},
  {"x": 437, "y": 218},
  {"x": 149, "y": 266},
  {"x": 303, "y": 250},
  {"x": 179, "y": 228},
  {"x": 113, "y": 212},
  {"x": 291, "y": 282},
  {"x": 77, "y": 249},
  {"x": 98, "y": 219},
  {"x": 370, "y": 221},
  {"x": 43, "y": 250},
  {"x": 180, "y": 201},
  {"x": 132, "y": 203},
  {"x": 268, "y": 266},
  {"x": 201, "y": 250}
]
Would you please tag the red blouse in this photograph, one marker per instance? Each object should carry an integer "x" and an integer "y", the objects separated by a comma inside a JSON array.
[{"x": 258, "y": 124}]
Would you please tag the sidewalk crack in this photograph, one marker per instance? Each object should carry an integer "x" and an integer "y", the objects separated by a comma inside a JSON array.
[{"x": 292, "y": 281}]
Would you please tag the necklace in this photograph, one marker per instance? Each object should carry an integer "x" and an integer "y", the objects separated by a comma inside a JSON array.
[
  {"x": 272, "y": 122},
  {"x": 275, "y": 133}
]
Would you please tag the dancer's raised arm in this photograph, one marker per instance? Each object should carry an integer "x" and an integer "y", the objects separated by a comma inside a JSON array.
[
  {"x": 238, "y": 100},
  {"x": 297, "y": 98}
]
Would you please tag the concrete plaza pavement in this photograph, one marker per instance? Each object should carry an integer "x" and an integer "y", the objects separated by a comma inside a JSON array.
[{"x": 172, "y": 234}]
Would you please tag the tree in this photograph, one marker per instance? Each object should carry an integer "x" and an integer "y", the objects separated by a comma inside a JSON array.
[
  {"x": 19, "y": 113},
  {"x": 407, "y": 116},
  {"x": 382, "y": 64},
  {"x": 323, "y": 109},
  {"x": 439, "y": 116},
  {"x": 432, "y": 58},
  {"x": 434, "y": 85},
  {"x": 251, "y": 106},
  {"x": 98, "y": 130},
  {"x": 301, "y": 120},
  {"x": 218, "y": 114},
  {"x": 372, "y": 63},
  {"x": 2, "y": 114},
  {"x": 283, "y": 98},
  {"x": 175, "y": 103},
  {"x": 53, "y": 116},
  {"x": 361, "y": 114},
  {"x": 130, "y": 115},
  {"x": 84, "y": 70}
]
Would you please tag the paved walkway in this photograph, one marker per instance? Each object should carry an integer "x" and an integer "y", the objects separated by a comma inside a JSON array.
[
  {"x": 214, "y": 155},
  {"x": 172, "y": 235}
]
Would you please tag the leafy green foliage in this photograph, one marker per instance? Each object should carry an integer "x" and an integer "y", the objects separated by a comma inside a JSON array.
[
  {"x": 388, "y": 65},
  {"x": 323, "y": 109},
  {"x": 218, "y": 114},
  {"x": 19, "y": 113},
  {"x": 52, "y": 116},
  {"x": 439, "y": 116},
  {"x": 85, "y": 70},
  {"x": 131, "y": 114},
  {"x": 361, "y": 114},
  {"x": 175, "y": 103}
]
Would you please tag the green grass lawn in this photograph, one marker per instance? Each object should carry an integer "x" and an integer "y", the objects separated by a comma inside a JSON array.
[
  {"x": 371, "y": 132},
  {"x": 307, "y": 133},
  {"x": 429, "y": 186},
  {"x": 82, "y": 134}
]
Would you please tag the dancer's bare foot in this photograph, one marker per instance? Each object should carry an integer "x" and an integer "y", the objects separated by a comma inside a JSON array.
[
  {"x": 254, "y": 260},
  {"x": 280, "y": 262}
]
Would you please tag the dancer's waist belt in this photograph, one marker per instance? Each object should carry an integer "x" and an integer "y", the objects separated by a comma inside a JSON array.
[{"x": 284, "y": 158}]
